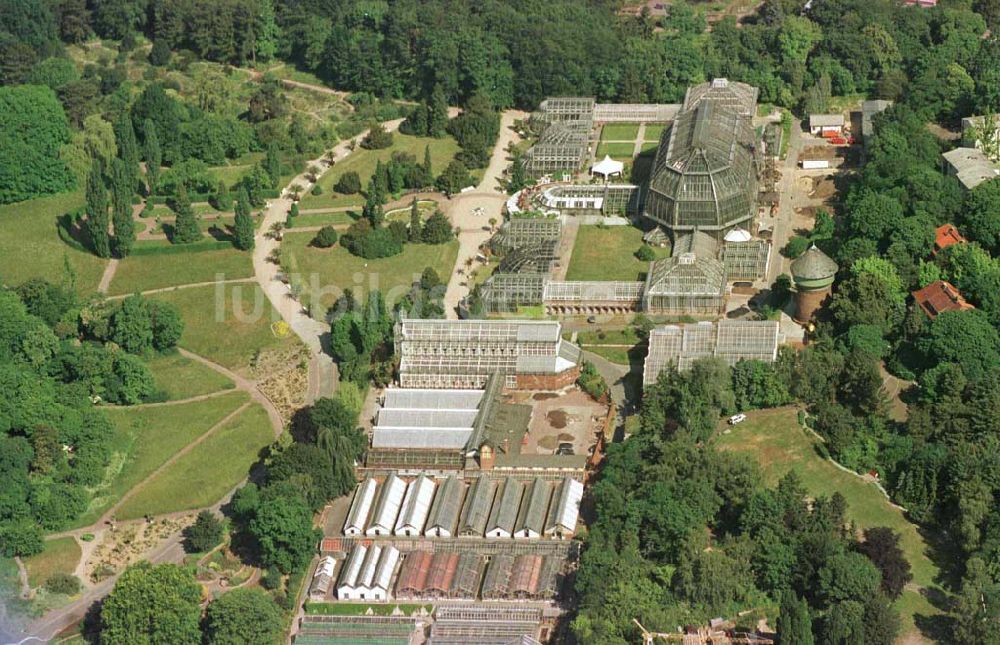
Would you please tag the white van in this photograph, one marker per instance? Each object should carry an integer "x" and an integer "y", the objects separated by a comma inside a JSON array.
[{"x": 737, "y": 418}]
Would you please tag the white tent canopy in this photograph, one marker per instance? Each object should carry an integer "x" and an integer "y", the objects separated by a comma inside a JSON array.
[{"x": 607, "y": 167}]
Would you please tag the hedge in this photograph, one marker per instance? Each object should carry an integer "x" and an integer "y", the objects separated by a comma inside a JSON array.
[
  {"x": 270, "y": 193},
  {"x": 174, "y": 249}
]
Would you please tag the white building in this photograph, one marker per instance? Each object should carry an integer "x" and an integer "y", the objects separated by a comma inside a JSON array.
[
  {"x": 826, "y": 124},
  {"x": 426, "y": 418},
  {"x": 361, "y": 507},
  {"x": 387, "y": 508},
  {"x": 416, "y": 506},
  {"x": 565, "y": 510},
  {"x": 368, "y": 572}
]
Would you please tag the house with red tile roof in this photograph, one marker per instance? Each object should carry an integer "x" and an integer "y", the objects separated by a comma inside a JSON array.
[
  {"x": 946, "y": 235},
  {"x": 938, "y": 297}
]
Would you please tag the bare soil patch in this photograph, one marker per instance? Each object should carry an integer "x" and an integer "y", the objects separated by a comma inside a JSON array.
[{"x": 557, "y": 419}]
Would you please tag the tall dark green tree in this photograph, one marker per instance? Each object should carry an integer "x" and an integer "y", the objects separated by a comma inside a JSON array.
[
  {"x": 243, "y": 617},
  {"x": 416, "y": 225},
  {"x": 244, "y": 227},
  {"x": 222, "y": 200},
  {"x": 97, "y": 211},
  {"x": 427, "y": 166},
  {"x": 128, "y": 148},
  {"x": 437, "y": 113},
  {"x": 272, "y": 164},
  {"x": 121, "y": 208},
  {"x": 152, "y": 155},
  {"x": 186, "y": 229},
  {"x": 794, "y": 625}
]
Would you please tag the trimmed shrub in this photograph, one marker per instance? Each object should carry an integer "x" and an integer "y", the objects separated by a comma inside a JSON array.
[
  {"x": 63, "y": 583},
  {"x": 348, "y": 184},
  {"x": 325, "y": 238}
]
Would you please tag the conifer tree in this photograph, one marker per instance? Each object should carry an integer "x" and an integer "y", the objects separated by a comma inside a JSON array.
[
  {"x": 97, "y": 211},
  {"x": 437, "y": 117},
  {"x": 373, "y": 211},
  {"x": 416, "y": 226},
  {"x": 152, "y": 154},
  {"x": 223, "y": 201},
  {"x": 794, "y": 625},
  {"x": 121, "y": 209},
  {"x": 186, "y": 229},
  {"x": 428, "y": 169},
  {"x": 128, "y": 148},
  {"x": 272, "y": 164},
  {"x": 244, "y": 222}
]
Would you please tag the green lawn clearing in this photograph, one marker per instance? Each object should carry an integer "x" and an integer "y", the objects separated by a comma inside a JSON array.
[
  {"x": 204, "y": 475},
  {"x": 227, "y": 323},
  {"x": 146, "y": 272},
  {"x": 777, "y": 441},
  {"x": 338, "y": 218},
  {"x": 620, "y": 132},
  {"x": 653, "y": 131},
  {"x": 363, "y": 162},
  {"x": 146, "y": 437},
  {"x": 326, "y": 272},
  {"x": 61, "y": 555},
  {"x": 621, "y": 151},
  {"x": 608, "y": 253},
  {"x": 179, "y": 377},
  {"x": 647, "y": 146},
  {"x": 30, "y": 246}
]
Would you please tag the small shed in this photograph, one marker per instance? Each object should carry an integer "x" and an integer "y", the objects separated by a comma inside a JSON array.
[
  {"x": 322, "y": 578},
  {"x": 416, "y": 506},
  {"x": 565, "y": 510},
  {"x": 823, "y": 125}
]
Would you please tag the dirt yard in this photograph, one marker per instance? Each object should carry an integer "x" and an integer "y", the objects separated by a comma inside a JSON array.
[{"x": 561, "y": 417}]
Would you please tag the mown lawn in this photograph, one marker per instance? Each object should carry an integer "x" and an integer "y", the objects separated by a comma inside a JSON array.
[
  {"x": 146, "y": 272},
  {"x": 145, "y": 438},
  {"x": 61, "y": 555},
  {"x": 777, "y": 441},
  {"x": 622, "y": 151},
  {"x": 30, "y": 246},
  {"x": 179, "y": 377},
  {"x": 360, "y": 609},
  {"x": 620, "y": 132},
  {"x": 204, "y": 475},
  {"x": 363, "y": 162},
  {"x": 608, "y": 253},
  {"x": 322, "y": 219},
  {"x": 653, "y": 131},
  {"x": 326, "y": 272},
  {"x": 227, "y": 323}
]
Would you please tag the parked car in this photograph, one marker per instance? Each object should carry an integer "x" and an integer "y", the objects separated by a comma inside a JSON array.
[
  {"x": 737, "y": 418},
  {"x": 565, "y": 449}
]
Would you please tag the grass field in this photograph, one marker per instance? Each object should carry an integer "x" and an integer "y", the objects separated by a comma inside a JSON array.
[
  {"x": 608, "y": 253},
  {"x": 363, "y": 162},
  {"x": 180, "y": 378},
  {"x": 621, "y": 151},
  {"x": 653, "y": 131},
  {"x": 647, "y": 146},
  {"x": 323, "y": 219},
  {"x": 145, "y": 438},
  {"x": 204, "y": 475},
  {"x": 145, "y": 272},
  {"x": 61, "y": 555},
  {"x": 30, "y": 246},
  {"x": 620, "y": 132},
  {"x": 227, "y": 323},
  {"x": 775, "y": 439},
  {"x": 326, "y": 272}
]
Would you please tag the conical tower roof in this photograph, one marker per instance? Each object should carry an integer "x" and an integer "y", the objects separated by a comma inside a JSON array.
[{"x": 813, "y": 265}]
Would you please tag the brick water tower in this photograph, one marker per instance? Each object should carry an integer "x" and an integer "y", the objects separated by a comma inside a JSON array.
[{"x": 813, "y": 273}]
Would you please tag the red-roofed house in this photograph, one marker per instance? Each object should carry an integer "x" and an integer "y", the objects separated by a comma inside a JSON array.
[
  {"x": 946, "y": 235},
  {"x": 939, "y": 297}
]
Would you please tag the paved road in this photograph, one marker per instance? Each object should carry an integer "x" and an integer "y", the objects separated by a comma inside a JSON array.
[{"x": 490, "y": 196}]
